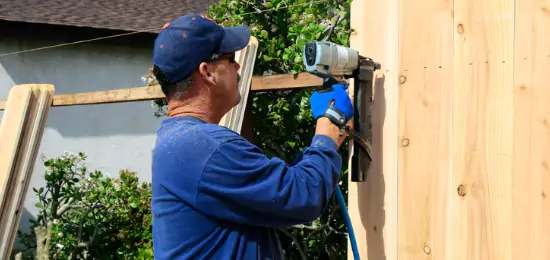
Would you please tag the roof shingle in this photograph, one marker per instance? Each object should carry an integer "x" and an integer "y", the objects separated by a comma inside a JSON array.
[{"x": 128, "y": 15}]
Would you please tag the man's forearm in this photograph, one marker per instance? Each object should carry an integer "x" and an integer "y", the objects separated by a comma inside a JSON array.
[{"x": 326, "y": 127}]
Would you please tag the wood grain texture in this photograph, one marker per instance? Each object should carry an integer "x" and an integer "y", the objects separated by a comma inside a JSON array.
[
  {"x": 482, "y": 137},
  {"x": 373, "y": 204},
  {"x": 426, "y": 67},
  {"x": 531, "y": 174}
]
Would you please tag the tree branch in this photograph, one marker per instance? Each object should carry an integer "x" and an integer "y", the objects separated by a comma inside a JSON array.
[
  {"x": 42, "y": 243},
  {"x": 80, "y": 245},
  {"x": 295, "y": 240},
  {"x": 65, "y": 207},
  {"x": 330, "y": 29},
  {"x": 278, "y": 149}
]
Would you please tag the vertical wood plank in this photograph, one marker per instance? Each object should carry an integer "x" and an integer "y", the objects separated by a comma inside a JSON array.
[
  {"x": 426, "y": 67},
  {"x": 246, "y": 57},
  {"x": 31, "y": 137},
  {"x": 531, "y": 178},
  {"x": 20, "y": 136},
  {"x": 11, "y": 129},
  {"x": 373, "y": 204},
  {"x": 483, "y": 129}
]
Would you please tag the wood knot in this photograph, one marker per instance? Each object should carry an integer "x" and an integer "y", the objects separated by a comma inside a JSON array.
[
  {"x": 543, "y": 195},
  {"x": 405, "y": 142},
  {"x": 402, "y": 79},
  {"x": 427, "y": 249},
  {"x": 461, "y": 190},
  {"x": 460, "y": 28}
]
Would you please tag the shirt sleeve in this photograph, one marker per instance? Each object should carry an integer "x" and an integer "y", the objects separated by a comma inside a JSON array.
[{"x": 240, "y": 184}]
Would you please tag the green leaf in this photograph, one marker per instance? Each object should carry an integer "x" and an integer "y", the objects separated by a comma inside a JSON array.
[{"x": 264, "y": 34}]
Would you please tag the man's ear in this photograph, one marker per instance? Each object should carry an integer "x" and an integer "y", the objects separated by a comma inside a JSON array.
[{"x": 205, "y": 72}]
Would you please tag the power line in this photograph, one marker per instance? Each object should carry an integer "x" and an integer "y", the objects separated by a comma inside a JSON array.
[
  {"x": 150, "y": 30},
  {"x": 71, "y": 43}
]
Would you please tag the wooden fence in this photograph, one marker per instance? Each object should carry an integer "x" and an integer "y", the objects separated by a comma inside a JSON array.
[{"x": 461, "y": 130}]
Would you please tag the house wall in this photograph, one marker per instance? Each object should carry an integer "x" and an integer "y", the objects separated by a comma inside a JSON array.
[{"x": 114, "y": 136}]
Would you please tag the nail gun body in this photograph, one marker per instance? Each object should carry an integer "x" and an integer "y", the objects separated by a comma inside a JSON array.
[{"x": 328, "y": 61}]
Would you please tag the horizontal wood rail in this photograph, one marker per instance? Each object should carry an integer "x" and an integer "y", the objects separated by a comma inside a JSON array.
[{"x": 259, "y": 83}]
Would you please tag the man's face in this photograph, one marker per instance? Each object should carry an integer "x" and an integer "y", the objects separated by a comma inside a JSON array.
[{"x": 226, "y": 75}]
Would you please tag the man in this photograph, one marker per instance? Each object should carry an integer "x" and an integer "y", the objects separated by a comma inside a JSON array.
[{"x": 215, "y": 195}]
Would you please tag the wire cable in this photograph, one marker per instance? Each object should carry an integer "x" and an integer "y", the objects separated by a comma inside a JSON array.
[
  {"x": 154, "y": 29},
  {"x": 71, "y": 43}
]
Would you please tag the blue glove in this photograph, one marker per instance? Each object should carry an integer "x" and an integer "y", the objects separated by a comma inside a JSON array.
[{"x": 340, "y": 112}]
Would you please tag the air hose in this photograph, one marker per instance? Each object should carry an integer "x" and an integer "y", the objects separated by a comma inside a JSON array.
[{"x": 347, "y": 220}]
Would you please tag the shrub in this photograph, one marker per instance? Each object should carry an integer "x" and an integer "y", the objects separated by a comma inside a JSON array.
[{"x": 84, "y": 214}]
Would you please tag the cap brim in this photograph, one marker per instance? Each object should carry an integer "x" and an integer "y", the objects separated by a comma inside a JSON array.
[{"x": 235, "y": 39}]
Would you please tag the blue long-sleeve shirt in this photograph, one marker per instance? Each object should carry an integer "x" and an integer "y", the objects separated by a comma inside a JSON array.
[{"x": 217, "y": 196}]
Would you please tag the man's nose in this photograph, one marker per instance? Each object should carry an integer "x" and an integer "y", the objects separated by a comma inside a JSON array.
[{"x": 237, "y": 66}]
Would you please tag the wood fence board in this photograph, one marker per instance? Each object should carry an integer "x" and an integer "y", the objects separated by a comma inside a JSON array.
[
  {"x": 426, "y": 67},
  {"x": 531, "y": 174},
  {"x": 482, "y": 118},
  {"x": 372, "y": 204}
]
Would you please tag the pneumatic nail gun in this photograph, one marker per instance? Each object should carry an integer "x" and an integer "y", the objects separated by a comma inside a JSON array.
[{"x": 329, "y": 61}]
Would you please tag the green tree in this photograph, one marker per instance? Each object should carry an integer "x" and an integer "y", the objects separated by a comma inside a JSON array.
[{"x": 283, "y": 27}]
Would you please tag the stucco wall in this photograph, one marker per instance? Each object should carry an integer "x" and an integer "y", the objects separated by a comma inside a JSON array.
[{"x": 114, "y": 136}]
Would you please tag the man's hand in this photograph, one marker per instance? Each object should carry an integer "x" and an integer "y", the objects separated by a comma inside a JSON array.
[
  {"x": 332, "y": 108},
  {"x": 333, "y": 103}
]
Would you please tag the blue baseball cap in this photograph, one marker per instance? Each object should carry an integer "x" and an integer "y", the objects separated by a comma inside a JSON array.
[{"x": 191, "y": 39}]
